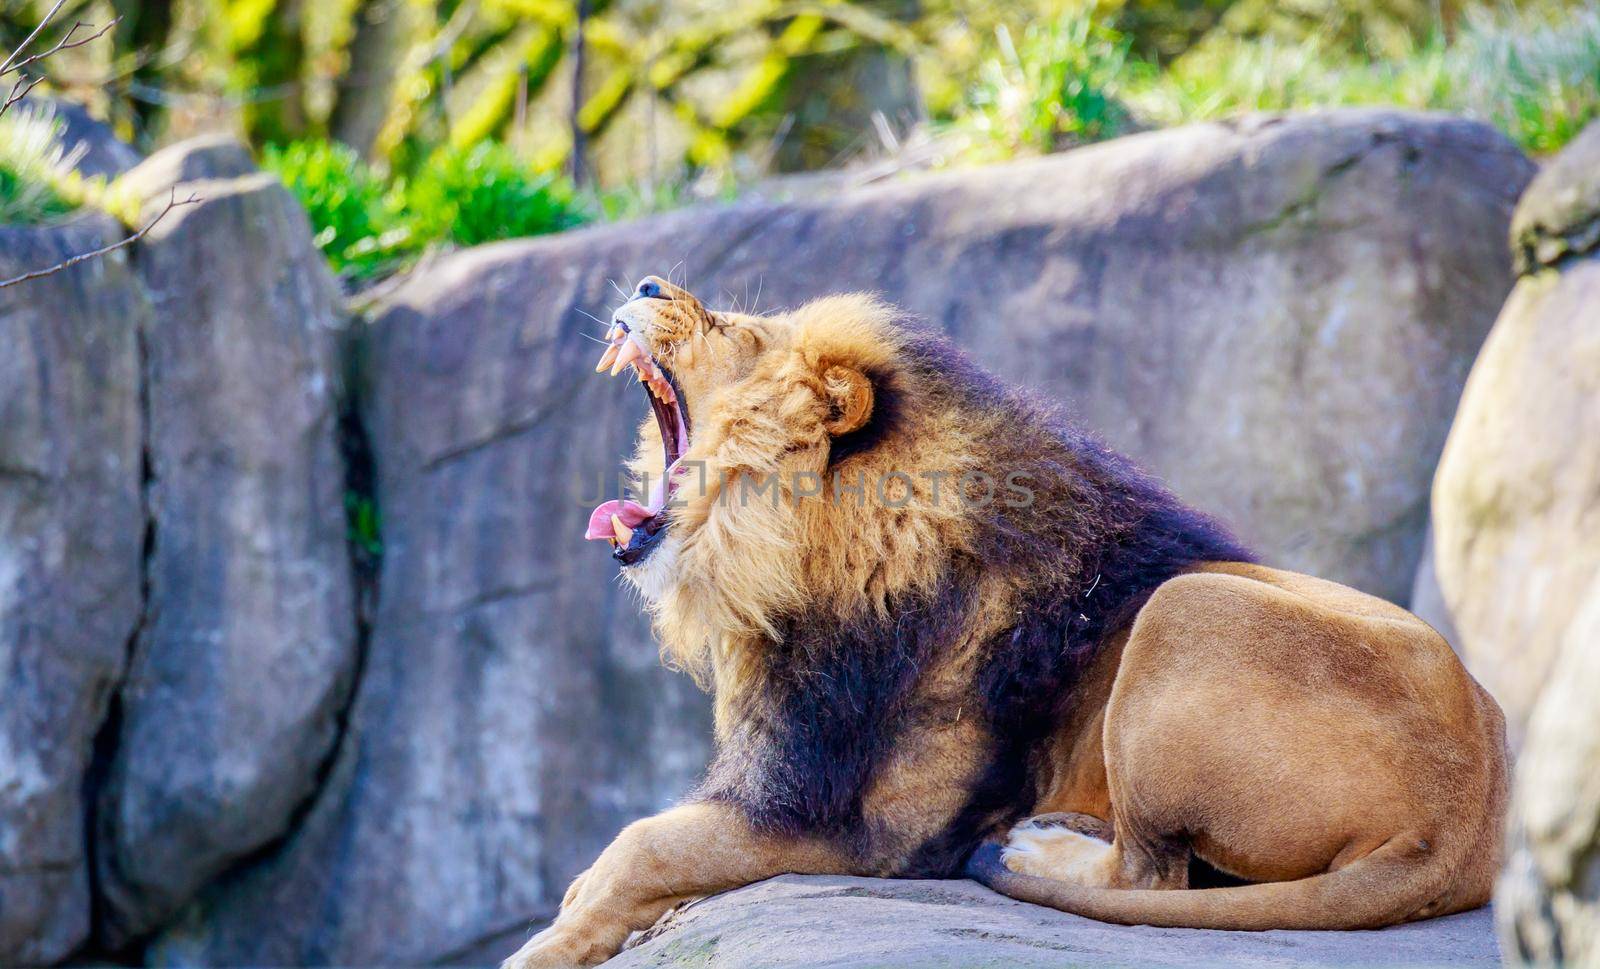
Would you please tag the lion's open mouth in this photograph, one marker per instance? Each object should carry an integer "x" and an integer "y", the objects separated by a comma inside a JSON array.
[{"x": 633, "y": 529}]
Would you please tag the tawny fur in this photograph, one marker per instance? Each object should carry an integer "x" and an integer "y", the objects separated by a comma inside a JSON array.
[{"x": 1285, "y": 730}]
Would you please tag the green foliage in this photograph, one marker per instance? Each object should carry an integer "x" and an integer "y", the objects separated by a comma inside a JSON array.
[
  {"x": 1538, "y": 82},
  {"x": 1060, "y": 86},
  {"x": 353, "y": 222},
  {"x": 364, "y": 524},
  {"x": 1164, "y": 29},
  {"x": 368, "y": 225},
  {"x": 37, "y": 181},
  {"x": 484, "y": 193},
  {"x": 1537, "y": 79}
]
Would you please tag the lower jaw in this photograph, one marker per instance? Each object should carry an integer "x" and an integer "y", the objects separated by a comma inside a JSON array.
[{"x": 640, "y": 544}]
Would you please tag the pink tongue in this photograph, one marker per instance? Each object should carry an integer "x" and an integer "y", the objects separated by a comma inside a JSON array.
[{"x": 631, "y": 513}]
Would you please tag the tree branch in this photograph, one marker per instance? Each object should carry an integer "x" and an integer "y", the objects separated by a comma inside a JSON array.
[
  {"x": 19, "y": 90},
  {"x": 7, "y": 66},
  {"x": 13, "y": 64},
  {"x": 65, "y": 43},
  {"x": 172, "y": 203}
]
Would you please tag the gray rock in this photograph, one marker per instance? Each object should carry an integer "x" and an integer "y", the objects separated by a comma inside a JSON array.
[
  {"x": 512, "y": 714},
  {"x": 1549, "y": 896},
  {"x": 1558, "y": 216},
  {"x": 1516, "y": 508},
  {"x": 194, "y": 159},
  {"x": 1516, "y": 503},
  {"x": 238, "y": 678},
  {"x": 1427, "y": 599},
  {"x": 800, "y": 922},
  {"x": 71, "y": 530},
  {"x": 1276, "y": 316}
]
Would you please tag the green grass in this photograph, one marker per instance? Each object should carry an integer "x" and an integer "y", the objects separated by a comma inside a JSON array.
[
  {"x": 352, "y": 220},
  {"x": 1060, "y": 84},
  {"x": 369, "y": 225},
  {"x": 1536, "y": 79},
  {"x": 37, "y": 180},
  {"x": 1534, "y": 75},
  {"x": 1539, "y": 82},
  {"x": 484, "y": 193}
]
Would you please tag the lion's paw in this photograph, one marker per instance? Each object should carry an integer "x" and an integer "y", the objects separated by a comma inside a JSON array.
[
  {"x": 551, "y": 949},
  {"x": 1085, "y": 824},
  {"x": 1056, "y": 850}
]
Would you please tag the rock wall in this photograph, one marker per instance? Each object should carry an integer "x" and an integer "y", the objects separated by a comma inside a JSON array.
[
  {"x": 1517, "y": 505},
  {"x": 71, "y": 533},
  {"x": 1276, "y": 315},
  {"x": 1549, "y": 896},
  {"x": 245, "y": 661}
]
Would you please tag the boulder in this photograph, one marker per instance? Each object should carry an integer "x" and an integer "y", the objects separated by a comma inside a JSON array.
[
  {"x": 512, "y": 713},
  {"x": 71, "y": 533},
  {"x": 1559, "y": 216},
  {"x": 1427, "y": 600},
  {"x": 203, "y": 158},
  {"x": 1516, "y": 503},
  {"x": 1275, "y": 315},
  {"x": 242, "y": 671},
  {"x": 810, "y": 922},
  {"x": 1549, "y": 896}
]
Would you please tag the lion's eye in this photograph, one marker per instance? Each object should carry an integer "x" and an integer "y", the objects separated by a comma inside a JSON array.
[{"x": 651, "y": 289}]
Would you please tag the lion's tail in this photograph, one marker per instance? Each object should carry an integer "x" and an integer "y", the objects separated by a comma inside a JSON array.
[{"x": 1389, "y": 885}]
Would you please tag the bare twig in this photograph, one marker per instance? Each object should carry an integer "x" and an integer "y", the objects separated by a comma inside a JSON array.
[
  {"x": 7, "y": 66},
  {"x": 172, "y": 203},
  {"x": 65, "y": 43},
  {"x": 19, "y": 90},
  {"x": 14, "y": 63}
]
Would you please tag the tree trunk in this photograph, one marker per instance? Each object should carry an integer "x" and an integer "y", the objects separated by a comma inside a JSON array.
[
  {"x": 365, "y": 93},
  {"x": 579, "y": 159}
]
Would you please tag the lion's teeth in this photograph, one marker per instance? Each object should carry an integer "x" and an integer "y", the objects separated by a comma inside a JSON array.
[
  {"x": 630, "y": 351},
  {"x": 623, "y": 532},
  {"x": 659, "y": 386},
  {"x": 606, "y": 359}
]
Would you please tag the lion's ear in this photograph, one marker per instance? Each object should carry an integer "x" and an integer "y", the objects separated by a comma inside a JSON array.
[{"x": 849, "y": 395}]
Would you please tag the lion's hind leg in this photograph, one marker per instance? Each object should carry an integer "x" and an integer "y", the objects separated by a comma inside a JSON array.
[{"x": 1083, "y": 850}]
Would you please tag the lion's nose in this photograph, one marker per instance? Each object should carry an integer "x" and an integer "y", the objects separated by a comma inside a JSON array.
[{"x": 652, "y": 287}]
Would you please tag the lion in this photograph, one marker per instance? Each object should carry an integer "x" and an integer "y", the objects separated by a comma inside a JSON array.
[{"x": 947, "y": 631}]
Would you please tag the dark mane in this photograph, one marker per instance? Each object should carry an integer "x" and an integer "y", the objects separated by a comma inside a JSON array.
[
  {"x": 804, "y": 749},
  {"x": 1097, "y": 538}
]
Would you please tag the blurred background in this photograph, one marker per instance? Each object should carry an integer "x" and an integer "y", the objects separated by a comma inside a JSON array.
[
  {"x": 403, "y": 123},
  {"x": 303, "y": 659}
]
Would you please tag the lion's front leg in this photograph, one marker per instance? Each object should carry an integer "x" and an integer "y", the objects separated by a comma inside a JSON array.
[{"x": 696, "y": 849}]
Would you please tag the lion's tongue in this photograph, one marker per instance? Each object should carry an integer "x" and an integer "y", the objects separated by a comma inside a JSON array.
[{"x": 631, "y": 513}]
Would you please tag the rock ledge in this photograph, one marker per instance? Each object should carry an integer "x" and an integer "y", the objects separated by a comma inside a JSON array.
[{"x": 854, "y": 923}]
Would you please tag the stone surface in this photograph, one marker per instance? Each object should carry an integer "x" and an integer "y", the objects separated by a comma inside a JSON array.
[
  {"x": 192, "y": 160},
  {"x": 71, "y": 529},
  {"x": 1274, "y": 315},
  {"x": 1516, "y": 502},
  {"x": 1549, "y": 896},
  {"x": 1427, "y": 599},
  {"x": 244, "y": 665},
  {"x": 855, "y": 923},
  {"x": 1559, "y": 215}
]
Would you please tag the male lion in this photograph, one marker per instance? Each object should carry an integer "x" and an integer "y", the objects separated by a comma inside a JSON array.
[{"x": 937, "y": 617}]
